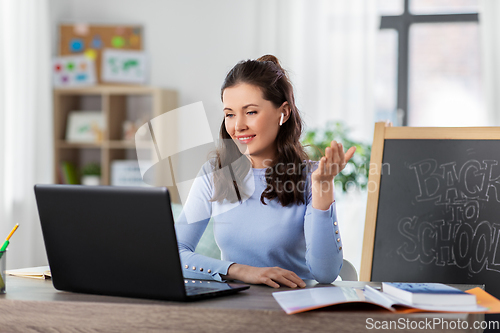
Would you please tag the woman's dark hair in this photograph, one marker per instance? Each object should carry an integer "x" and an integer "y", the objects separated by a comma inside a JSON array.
[{"x": 285, "y": 177}]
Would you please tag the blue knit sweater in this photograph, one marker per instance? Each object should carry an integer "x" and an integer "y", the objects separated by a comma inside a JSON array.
[{"x": 299, "y": 238}]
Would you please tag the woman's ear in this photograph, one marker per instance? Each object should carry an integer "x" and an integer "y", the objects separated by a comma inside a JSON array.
[{"x": 285, "y": 109}]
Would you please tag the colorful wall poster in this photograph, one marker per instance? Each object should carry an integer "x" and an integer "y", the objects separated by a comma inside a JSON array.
[
  {"x": 73, "y": 71},
  {"x": 123, "y": 66},
  {"x": 91, "y": 40}
]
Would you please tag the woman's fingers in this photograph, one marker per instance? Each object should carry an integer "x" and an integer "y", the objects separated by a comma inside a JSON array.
[
  {"x": 270, "y": 282},
  {"x": 328, "y": 160},
  {"x": 321, "y": 166},
  {"x": 271, "y": 276},
  {"x": 328, "y": 153},
  {"x": 339, "y": 157},
  {"x": 284, "y": 281},
  {"x": 295, "y": 279},
  {"x": 334, "y": 161},
  {"x": 275, "y": 276},
  {"x": 341, "y": 153},
  {"x": 349, "y": 154}
]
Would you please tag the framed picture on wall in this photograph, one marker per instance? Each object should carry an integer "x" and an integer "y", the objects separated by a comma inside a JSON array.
[
  {"x": 73, "y": 71},
  {"x": 85, "y": 126},
  {"x": 122, "y": 66}
]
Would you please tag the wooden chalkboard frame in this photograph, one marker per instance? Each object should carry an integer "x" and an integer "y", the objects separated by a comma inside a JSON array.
[{"x": 385, "y": 131}]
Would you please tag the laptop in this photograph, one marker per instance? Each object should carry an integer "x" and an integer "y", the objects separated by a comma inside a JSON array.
[{"x": 118, "y": 241}]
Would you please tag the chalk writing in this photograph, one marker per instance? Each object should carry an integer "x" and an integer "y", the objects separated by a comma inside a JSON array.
[
  {"x": 444, "y": 184},
  {"x": 459, "y": 237}
]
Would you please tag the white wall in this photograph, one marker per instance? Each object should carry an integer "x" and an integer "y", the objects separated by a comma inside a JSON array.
[
  {"x": 192, "y": 43},
  {"x": 57, "y": 10}
]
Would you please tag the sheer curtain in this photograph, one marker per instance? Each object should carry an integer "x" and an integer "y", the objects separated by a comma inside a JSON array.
[
  {"x": 25, "y": 124},
  {"x": 328, "y": 46},
  {"x": 490, "y": 50}
]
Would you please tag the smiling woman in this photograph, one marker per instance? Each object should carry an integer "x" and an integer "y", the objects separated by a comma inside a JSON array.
[
  {"x": 259, "y": 101},
  {"x": 274, "y": 211},
  {"x": 252, "y": 124}
]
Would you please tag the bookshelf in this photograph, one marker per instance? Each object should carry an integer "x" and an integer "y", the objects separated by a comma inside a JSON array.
[{"x": 117, "y": 104}]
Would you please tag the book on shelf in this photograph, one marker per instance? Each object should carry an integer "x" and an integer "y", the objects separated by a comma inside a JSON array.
[
  {"x": 40, "y": 272},
  {"x": 428, "y": 293},
  {"x": 126, "y": 173},
  {"x": 296, "y": 301}
]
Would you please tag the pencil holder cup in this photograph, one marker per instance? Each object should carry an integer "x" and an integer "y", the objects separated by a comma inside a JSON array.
[{"x": 3, "y": 257}]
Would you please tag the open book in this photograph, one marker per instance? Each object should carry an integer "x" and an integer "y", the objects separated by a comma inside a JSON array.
[
  {"x": 296, "y": 301},
  {"x": 40, "y": 272}
]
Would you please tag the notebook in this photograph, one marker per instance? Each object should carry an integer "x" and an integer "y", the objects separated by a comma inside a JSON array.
[{"x": 119, "y": 241}]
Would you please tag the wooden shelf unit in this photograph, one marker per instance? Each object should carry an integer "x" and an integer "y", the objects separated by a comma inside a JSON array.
[{"x": 113, "y": 101}]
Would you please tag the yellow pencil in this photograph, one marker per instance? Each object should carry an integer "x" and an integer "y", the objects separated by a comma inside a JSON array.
[
  {"x": 6, "y": 243},
  {"x": 12, "y": 232}
]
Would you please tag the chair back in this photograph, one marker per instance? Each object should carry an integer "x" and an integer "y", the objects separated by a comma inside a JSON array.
[{"x": 348, "y": 272}]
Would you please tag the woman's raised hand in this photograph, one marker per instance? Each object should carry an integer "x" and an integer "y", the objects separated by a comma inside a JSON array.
[
  {"x": 332, "y": 163},
  {"x": 272, "y": 276}
]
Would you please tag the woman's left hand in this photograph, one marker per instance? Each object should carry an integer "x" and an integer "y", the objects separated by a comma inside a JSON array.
[{"x": 332, "y": 163}]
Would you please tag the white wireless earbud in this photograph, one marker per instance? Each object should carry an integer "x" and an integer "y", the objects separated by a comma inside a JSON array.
[{"x": 281, "y": 120}]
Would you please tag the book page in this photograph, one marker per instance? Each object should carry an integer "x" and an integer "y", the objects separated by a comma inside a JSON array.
[
  {"x": 40, "y": 272},
  {"x": 296, "y": 301}
]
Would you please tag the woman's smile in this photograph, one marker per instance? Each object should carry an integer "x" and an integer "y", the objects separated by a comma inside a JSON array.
[{"x": 246, "y": 139}]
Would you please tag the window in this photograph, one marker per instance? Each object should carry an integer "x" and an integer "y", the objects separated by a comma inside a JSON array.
[{"x": 428, "y": 63}]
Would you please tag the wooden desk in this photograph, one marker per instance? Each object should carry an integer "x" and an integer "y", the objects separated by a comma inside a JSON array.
[{"x": 35, "y": 306}]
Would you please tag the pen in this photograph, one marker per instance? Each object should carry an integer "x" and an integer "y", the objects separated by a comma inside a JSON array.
[{"x": 6, "y": 243}]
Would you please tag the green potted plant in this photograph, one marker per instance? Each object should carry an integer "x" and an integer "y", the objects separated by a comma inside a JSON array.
[
  {"x": 356, "y": 172},
  {"x": 91, "y": 174}
]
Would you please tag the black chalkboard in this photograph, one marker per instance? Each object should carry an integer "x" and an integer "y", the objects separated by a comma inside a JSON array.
[{"x": 438, "y": 215}]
